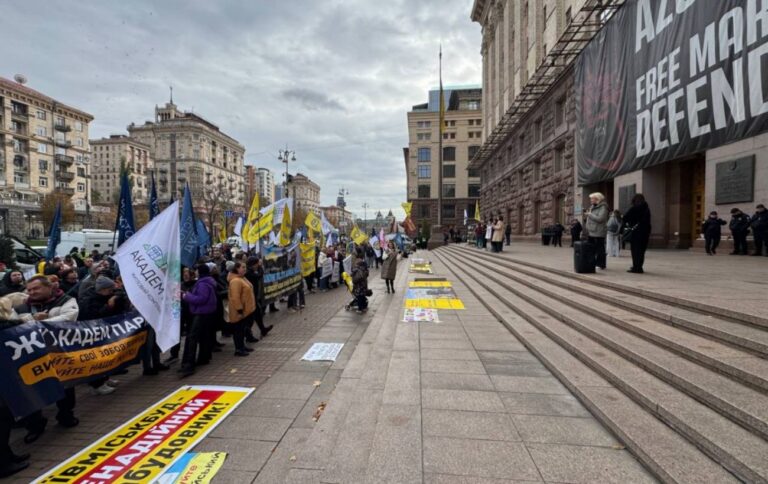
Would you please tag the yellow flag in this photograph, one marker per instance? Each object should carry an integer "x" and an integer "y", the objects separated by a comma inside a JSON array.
[
  {"x": 251, "y": 221},
  {"x": 407, "y": 207},
  {"x": 307, "y": 259},
  {"x": 477, "y": 210},
  {"x": 222, "y": 234},
  {"x": 264, "y": 227},
  {"x": 285, "y": 227},
  {"x": 313, "y": 222},
  {"x": 358, "y": 236}
]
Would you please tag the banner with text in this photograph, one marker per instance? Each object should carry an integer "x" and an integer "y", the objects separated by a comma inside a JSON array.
[
  {"x": 39, "y": 359},
  {"x": 146, "y": 446},
  {"x": 282, "y": 270},
  {"x": 666, "y": 79}
]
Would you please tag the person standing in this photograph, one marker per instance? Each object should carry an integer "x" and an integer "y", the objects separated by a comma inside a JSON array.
[
  {"x": 202, "y": 305},
  {"x": 759, "y": 224},
  {"x": 739, "y": 229},
  {"x": 360, "y": 285},
  {"x": 612, "y": 237},
  {"x": 508, "y": 233},
  {"x": 498, "y": 234},
  {"x": 389, "y": 266},
  {"x": 479, "y": 234},
  {"x": 711, "y": 231},
  {"x": 597, "y": 228},
  {"x": 637, "y": 224},
  {"x": 242, "y": 307},
  {"x": 557, "y": 234},
  {"x": 576, "y": 230},
  {"x": 255, "y": 275},
  {"x": 488, "y": 233}
]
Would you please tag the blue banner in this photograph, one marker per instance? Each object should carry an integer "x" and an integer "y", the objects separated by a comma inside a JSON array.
[
  {"x": 125, "y": 226},
  {"x": 54, "y": 237},
  {"x": 282, "y": 270},
  {"x": 39, "y": 359},
  {"x": 154, "y": 204},
  {"x": 203, "y": 237},
  {"x": 188, "y": 231}
]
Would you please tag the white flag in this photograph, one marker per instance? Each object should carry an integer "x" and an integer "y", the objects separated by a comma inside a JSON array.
[
  {"x": 327, "y": 227},
  {"x": 151, "y": 270}
]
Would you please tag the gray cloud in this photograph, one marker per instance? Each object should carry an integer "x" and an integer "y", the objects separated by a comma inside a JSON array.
[
  {"x": 332, "y": 79},
  {"x": 312, "y": 100}
]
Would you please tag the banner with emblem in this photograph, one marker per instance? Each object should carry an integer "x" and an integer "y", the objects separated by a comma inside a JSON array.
[
  {"x": 282, "y": 270},
  {"x": 307, "y": 259},
  {"x": 358, "y": 236},
  {"x": 150, "y": 266}
]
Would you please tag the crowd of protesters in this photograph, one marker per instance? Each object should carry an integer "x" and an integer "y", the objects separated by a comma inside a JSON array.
[{"x": 221, "y": 297}]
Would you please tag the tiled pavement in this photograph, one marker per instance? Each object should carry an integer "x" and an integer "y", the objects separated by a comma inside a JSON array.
[{"x": 261, "y": 420}]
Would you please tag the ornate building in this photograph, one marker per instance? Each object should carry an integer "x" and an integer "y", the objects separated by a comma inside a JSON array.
[
  {"x": 305, "y": 193},
  {"x": 109, "y": 154}
]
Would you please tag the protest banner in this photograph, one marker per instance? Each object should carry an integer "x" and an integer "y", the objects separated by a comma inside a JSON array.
[
  {"x": 420, "y": 315},
  {"x": 282, "y": 270},
  {"x": 39, "y": 359},
  {"x": 327, "y": 267},
  {"x": 194, "y": 467},
  {"x": 307, "y": 259},
  {"x": 429, "y": 284},
  {"x": 146, "y": 446},
  {"x": 432, "y": 298},
  {"x": 336, "y": 273}
]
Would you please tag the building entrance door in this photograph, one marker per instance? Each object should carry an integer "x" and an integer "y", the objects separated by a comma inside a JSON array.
[
  {"x": 697, "y": 198},
  {"x": 521, "y": 220}
]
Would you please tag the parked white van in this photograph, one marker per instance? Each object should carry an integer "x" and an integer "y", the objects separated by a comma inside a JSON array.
[{"x": 91, "y": 239}]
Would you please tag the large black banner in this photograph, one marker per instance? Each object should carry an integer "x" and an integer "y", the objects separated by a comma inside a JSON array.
[
  {"x": 668, "y": 78},
  {"x": 38, "y": 359},
  {"x": 282, "y": 271}
]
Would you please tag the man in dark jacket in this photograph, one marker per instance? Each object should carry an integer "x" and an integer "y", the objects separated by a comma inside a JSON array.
[
  {"x": 759, "y": 224},
  {"x": 576, "y": 230},
  {"x": 100, "y": 301},
  {"x": 739, "y": 229},
  {"x": 255, "y": 275},
  {"x": 202, "y": 305},
  {"x": 711, "y": 230}
]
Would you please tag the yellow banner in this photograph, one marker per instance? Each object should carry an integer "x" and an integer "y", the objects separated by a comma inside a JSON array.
[
  {"x": 313, "y": 222},
  {"x": 407, "y": 206},
  {"x": 285, "y": 227},
  {"x": 421, "y": 268},
  {"x": 264, "y": 226},
  {"x": 434, "y": 303},
  {"x": 202, "y": 468},
  {"x": 307, "y": 259},
  {"x": 358, "y": 236},
  {"x": 147, "y": 445},
  {"x": 429, "y": 284}
]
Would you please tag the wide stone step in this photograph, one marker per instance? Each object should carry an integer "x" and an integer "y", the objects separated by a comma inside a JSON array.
[
  {"x": 743, "y": 366},
  {"x": 740, "y": 451},
  {"x": 748, "y": 337}
]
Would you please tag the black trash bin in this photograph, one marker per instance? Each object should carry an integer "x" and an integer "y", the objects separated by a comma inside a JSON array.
[{"x": 546, "y": 238}]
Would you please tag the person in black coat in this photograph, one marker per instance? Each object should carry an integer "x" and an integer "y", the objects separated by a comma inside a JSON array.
[
  {"x": 711, "y": 230},
  {"x": 739, "y": 229},
  {"x": 576, "y": 230},
  {"x": 759, "y": 224},
  {"x": 637, "y": 227},
  {"x": 255, "y": 275}
]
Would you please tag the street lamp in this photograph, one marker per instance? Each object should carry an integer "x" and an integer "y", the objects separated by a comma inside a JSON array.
[
  {"x": 366, "y": 206},
  {"x": 284, "y": 156}
]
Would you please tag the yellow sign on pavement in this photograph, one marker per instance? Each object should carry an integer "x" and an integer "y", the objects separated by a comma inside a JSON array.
[
  {"x": 434, "y": 303},
  {"x": 429, "y": 284}
]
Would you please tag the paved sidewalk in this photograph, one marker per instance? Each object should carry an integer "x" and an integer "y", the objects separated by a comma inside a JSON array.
[
  {"x": 461, "y": 401},
  {"x": 253, "y": 430},
  {"x": 734, "y": 282}
]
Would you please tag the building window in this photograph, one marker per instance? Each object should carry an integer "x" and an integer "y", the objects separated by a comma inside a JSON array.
[
  {"x": 449, "y": 153},
  {"x": 425, "y": 171},
  {"x": 537, "y": 133},
  {"x": 424, "y": 136},
  {"x": 81, "y": 187},
  {"x": 536, "y": 171},
  {"x": 424, "y": 211},
  {"x": 81, "y": 172},
  {"x": 43, "y": 181},
  {"x": 568, "y": 16},
  {"x": 521, "y": 141},
  {"x": 41, "y": 131},
  {"x": 425, "y": 154},
  {"x": 449, "y": 171},
  {"x": 79, "y": 141},
  {"x": 43, "y": 165},
  {"x": 41, "y": 115},
  {"x": 471, "y": 122},
  {"x": 423, "y": 124},
  {"x": 473, "y": 105},
  {"x": 449, "y": 211},
  {"x": 560, "y": 111},
  {"x": 59, "y": 121},
  {"x": 42, "y": 148},
  {"x": 473, "y": 173},
  {"x": 472, "y": 151},
  {"x": 449, "y": 135},
  {"x": 18, "y": 178},
  {"x": 425, "y": 191},
  {"x": 558, "y": 159},
  {"x": 78, "y": 126},
  {"x": 473, "y": 190},
  {"x": 449, "y": 190}
]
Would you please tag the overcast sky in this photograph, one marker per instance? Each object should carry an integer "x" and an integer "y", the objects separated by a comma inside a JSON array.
[{"x": 333, "y": 79}]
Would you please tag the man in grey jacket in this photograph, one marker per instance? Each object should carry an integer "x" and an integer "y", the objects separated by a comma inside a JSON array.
[{"x": 597, "y": 226}]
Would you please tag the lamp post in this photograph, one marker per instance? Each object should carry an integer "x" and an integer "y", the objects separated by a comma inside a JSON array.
[
  {"x": 365, "y": 216},
  {"x": 284, "y": 156}
]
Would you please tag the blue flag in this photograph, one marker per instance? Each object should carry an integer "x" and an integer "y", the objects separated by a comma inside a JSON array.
[
  {"x": 154, "y": 205},
  {"x": 54, "y": 237},
  {"x": 399, "y": 241},
  {"x": 203, "y": 237},
  {"x": 124, "y": 225},
  {"x": 188, "y": 231}
]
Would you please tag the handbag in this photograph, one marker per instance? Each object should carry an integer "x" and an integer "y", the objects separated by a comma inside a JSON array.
[{"x": 626, "y": 233}]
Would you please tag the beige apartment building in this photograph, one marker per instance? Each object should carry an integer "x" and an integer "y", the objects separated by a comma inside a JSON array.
[
  {"x": 108, "y": 155},
  {"x": 43, "y": 148},
  {"x": 187, "y": 148},
  {"x": 265, "y": 183},
  {"x": 462, "y": 137},
  {"x": 305, "y": 193},
  {"x": 339, "y": 217}
]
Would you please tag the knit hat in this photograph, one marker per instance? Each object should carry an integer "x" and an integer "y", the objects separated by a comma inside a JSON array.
[
  {"x": 230, "y": 264},
  {"x": 104, "y": 283}
]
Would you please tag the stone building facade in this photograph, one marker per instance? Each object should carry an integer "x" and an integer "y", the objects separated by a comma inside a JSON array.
[
  {"x": 187, "y": 148},
  {"x": 305, "y": 193},
  {"x": 265, "y": 183},
  {"x": 43, "y": 149},
  {"x": 109, "y": 154}
]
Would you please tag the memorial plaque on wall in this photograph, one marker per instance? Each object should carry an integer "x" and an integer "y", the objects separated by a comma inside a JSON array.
[
  {"x": 625, "y": 197},
  {"x": 735, "y": 180}
]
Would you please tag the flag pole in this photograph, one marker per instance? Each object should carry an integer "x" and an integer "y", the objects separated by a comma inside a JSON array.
[{"x": 441, "y": 121}]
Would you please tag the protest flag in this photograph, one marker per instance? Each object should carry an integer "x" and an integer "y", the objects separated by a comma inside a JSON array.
[{"x": 188, "y": 230}]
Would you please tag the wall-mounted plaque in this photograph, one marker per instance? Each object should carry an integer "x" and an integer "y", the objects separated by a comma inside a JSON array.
[{"x": 735, "y": 181}]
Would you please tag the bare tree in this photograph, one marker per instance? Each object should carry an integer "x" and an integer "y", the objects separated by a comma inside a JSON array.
[{"x": 216, "y": 200}]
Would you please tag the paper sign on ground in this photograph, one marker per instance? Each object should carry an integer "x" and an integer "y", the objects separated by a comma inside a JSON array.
[
  {"x": 434, "y": 303},
  {"x": 194, "y": 467},
  {"x": 420, "y": 315},
  {"x": 323, "y": 352},
  {"x": 429, "y": 284},
  {"x": 421, "y": 268},
  {"x": 147, "y": 445}
]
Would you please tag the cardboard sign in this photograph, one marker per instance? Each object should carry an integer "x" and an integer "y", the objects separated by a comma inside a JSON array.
[
  {"x": 323, "y": 352},
  {"x": 148, "y": 445},
  {"x": 420, "y": 315}
]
